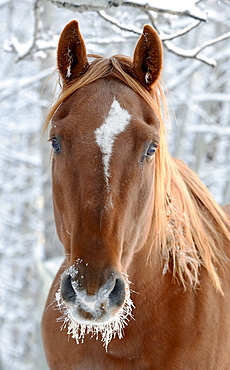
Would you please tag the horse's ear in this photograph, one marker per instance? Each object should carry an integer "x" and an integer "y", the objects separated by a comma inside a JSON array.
[
  {"x": 71, "y": 54},
  {"x": 147, "y": 59}
]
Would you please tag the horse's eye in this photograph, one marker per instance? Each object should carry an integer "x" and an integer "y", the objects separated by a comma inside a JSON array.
[
  {"x": 56, "y": 145},
  {"x": 151, "y": 150}
]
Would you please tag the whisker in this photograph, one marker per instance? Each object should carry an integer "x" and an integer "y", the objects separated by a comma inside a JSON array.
[{"x": 51, "y": 304}]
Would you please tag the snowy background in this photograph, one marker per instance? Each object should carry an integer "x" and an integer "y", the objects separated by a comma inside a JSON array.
[{"x": 199, "y": 100}]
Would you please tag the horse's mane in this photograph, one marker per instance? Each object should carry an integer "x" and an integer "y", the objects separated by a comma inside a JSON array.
[{"x": 188, "y": 226}]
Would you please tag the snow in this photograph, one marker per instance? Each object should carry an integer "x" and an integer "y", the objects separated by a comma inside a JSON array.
[{"x": 68, "y": 72}]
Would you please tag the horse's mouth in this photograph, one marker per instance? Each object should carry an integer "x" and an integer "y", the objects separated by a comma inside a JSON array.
[{"x": 98, "y": 317}]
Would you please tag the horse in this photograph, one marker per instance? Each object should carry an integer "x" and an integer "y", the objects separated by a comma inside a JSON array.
[{"x": 145, "y": 280}]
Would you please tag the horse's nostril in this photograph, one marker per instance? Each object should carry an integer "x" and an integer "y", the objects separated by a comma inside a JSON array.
[
  {"x": 67, "y": 291},
  {"x": 117, "y": 295},
  {"x": 108, "y": 298}
]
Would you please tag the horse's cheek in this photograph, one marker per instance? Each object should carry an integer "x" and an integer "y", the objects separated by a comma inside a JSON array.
[{"x": 59, "y": 205}]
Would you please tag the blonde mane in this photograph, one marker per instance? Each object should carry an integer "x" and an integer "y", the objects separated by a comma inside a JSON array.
[{"x": 188, "y": 226}]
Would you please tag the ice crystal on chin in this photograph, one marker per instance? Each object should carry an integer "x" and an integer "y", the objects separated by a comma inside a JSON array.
[{"x": 107, "y": 331}]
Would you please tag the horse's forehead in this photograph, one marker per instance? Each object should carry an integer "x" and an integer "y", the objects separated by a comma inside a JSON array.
[
  {"x": 101, "y": 111},
  {"x": 93, "y": 103}
]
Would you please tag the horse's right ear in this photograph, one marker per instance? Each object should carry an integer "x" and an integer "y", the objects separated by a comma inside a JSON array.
[{"x": 71, "y": 54}]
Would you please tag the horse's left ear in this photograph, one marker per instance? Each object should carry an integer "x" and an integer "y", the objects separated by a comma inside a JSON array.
[
  {"x": 147, "y": 59},
  {"x": 71, "y": 54}
]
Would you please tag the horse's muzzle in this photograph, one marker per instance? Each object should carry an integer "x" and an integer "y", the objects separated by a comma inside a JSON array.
[{"x": 99, "y": 307}]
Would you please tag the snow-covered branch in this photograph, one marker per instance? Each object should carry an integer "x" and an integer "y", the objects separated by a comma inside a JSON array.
[
  {"x": 91, "y": 5},
  {"x": 193, "y": 53},
  {"x": 166, "y": 37},
  {"x": 86, "y": 5},
  {"x": 192, "y": 12},
  {"x": 138, "y": 31},
  {"x": 213, "y": 41},
  {"x": 24, "y": 50},
  {"x": 115, "y": 22},
  {"x": 37, "y": 6}
]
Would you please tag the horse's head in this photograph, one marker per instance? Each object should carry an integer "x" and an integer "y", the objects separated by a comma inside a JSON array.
[{"x": 104, "y": 137}]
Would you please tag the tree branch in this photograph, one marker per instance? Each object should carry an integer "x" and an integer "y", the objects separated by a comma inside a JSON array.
[
  {"x": 35, "y": 33},
  {"x": 193, "y": 13},
  {"x": 115, "y": 22},
  {"x": 89, "y": 5},
  {"x": 193, "y": 53},
  {"x": 213, "y": 41},
  {"x": 183, "y": 31},
  {"x": 138, "y": 31}
]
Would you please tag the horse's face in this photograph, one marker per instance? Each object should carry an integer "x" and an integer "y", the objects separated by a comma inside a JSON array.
[{"x": 104, "y": 137}]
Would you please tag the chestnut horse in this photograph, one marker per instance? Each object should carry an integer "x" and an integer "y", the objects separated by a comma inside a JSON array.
[{"x": 145, "y": 281}]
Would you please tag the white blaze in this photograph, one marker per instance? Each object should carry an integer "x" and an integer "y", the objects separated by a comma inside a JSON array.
[{"x": 115, "y": 123}]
